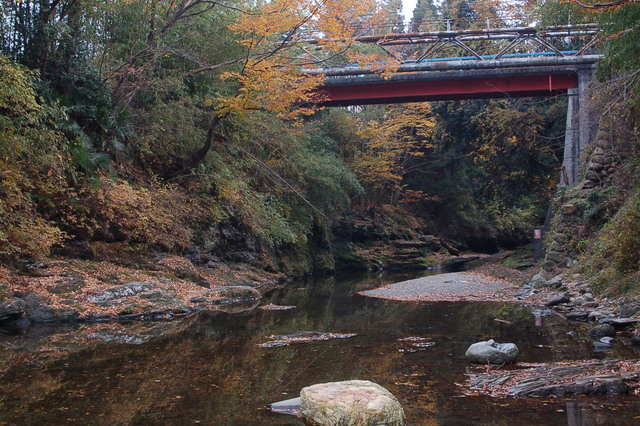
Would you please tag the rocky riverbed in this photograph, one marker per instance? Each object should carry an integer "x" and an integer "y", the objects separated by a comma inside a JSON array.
[
  {"x": 607, "y": 324},
  {"x": 154, "y": 289}
]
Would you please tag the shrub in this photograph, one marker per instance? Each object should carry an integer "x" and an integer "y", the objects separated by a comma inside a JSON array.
[
  {"x": 32, "y": 166},
  {"x": 614, "y": 260},
  {"x": 156, "y": 215}
]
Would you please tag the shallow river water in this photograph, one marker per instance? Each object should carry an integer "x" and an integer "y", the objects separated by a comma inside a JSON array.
[{"x": 210, "y": 369}]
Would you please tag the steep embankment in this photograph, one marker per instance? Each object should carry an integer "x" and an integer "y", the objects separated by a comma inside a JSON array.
[
  {"x": 595, "y": 230},
  {"x": 593, "y": 248}
]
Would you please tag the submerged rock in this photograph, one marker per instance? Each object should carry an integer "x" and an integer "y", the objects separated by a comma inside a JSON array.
[
  {"x": 277, "y": 307},
  {"x": 491, "y": 352},
  {"x": 230, "y": 299},
  {"x": 350, "y": 403},
  {"x": 289, "y": 406}
]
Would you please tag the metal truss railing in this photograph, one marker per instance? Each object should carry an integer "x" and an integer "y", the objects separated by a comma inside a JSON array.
[{"x": 482, "y": 43}]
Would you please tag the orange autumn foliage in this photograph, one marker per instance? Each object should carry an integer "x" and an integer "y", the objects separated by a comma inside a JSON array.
[{"x": 274, "y": 37}]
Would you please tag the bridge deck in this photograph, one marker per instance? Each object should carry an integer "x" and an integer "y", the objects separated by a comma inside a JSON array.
[{"x": 449, "y": 85}]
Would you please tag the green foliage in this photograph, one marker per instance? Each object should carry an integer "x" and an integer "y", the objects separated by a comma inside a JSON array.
[
  {"x": 123, "y": 100},
  {"x": 488, "y": 169},
  {"x": 622, "y": 41},
  {"x": 614, "y": 259},
  {"x": 511, "y": 152},
  {"x": 600, "y": 204},
  {"x": 277, "y": 181},
  {"x": 424, "y": 11},
  {"x": 559, "y": 12},
  {"x": 32, "y": 165}
]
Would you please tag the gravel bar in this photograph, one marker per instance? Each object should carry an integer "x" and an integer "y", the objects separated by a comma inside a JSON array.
[{"x": 457, "y": 286}]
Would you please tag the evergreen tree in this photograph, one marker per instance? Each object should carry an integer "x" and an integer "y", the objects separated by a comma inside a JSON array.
[
  {"x": 424, "y": 14},
  {"x": 394, "y": 19}
]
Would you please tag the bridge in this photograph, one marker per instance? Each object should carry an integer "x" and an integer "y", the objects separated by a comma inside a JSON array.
[{"x": 498, "y": 63}]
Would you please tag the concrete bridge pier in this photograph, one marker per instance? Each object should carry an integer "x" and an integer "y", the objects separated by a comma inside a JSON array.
[{"x": 579, "y": 128}]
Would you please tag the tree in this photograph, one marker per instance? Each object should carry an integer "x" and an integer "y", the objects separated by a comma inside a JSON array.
[
  {"x": 391, "y": 142},
  {"x": 622, "y": 41},
  {"x": 515, "y": 158},
  {"x": 424, "y": 15}
]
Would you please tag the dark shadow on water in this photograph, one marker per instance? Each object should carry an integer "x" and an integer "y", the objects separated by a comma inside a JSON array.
[{"x": 210, "y": 369}]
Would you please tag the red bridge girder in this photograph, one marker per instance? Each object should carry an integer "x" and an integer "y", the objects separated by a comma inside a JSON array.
[{"x": 389, "y": 91}]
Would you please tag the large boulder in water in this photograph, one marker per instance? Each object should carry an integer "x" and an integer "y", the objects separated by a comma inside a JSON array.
[
  {"x": 350, "y": 403},
  {"x": 492, "y": 352}
]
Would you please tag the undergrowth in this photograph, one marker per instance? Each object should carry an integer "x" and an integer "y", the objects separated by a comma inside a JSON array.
[{"x": 614, "y": 258}]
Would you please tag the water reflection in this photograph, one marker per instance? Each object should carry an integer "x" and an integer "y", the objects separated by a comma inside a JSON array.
[{"x": 211, "y": 369}]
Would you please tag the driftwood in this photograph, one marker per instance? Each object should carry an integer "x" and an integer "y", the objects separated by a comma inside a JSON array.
[{"x": 562, "y": 378}]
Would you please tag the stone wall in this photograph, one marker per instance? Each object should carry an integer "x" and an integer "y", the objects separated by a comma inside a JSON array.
[
  {"x": 601, "y": 165},
  {"x": 575, "y": 207}
]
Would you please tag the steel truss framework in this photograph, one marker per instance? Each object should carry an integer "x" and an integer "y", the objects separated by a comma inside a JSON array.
[{"x": 488, "y": 44}]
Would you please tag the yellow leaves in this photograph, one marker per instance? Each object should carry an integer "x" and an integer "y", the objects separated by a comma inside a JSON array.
[
  {"x": 405, "y": 128},
  {"x": 17, "y": 95},
  {"x": 265, "y": 84},
  {"x": 339, "y": 20},
  {"x": 274, "y": 35},
  {"x": 154, "y": 215},
  {"x": 412, "y": 196},
  {"x": 375, "y": 170},
  {"x": 402, "y": 134},
  {"x": 278, "y": 16}
]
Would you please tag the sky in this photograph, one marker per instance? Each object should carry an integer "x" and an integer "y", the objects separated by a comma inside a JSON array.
[{"x": 407, "y": 8}]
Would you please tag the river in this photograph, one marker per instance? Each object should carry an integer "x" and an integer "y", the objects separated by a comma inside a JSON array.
[{"x": 210, "y": 368}]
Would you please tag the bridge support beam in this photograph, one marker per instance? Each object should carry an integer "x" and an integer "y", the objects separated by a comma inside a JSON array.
[{"x": 579, "y": 127}]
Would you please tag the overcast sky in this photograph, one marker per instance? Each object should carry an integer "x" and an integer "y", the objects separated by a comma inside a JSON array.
[{"x": 407, "y": 8}]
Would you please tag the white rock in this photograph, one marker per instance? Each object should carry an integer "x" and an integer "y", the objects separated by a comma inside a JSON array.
[
  {"x": 350, "y": 403},
  {"x": 491, "y": 352}
]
